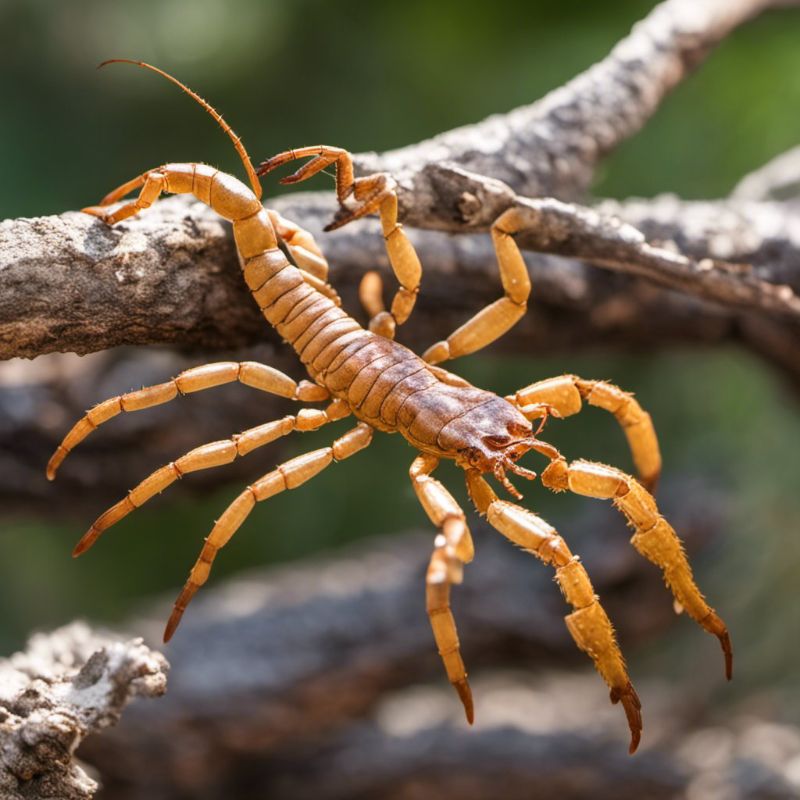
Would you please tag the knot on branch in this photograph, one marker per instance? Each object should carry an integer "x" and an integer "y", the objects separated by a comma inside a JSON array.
[{"x": 471, "y": 200}]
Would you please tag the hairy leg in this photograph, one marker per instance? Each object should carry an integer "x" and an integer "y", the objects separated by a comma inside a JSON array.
[
  {"x": 196, "y": 379},
  {"x": 588, "y": 623},
  {"x": 499, "y": 317},
  {"x": 452, "y": 549},
  {"x": 654, "y": 538},
  {"x": 288, "y": 475},
  {"x": 214, "y": 454},
  {"x": 565, "y": 394}
]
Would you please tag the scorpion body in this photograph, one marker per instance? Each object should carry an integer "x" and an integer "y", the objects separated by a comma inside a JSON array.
[{"x": 387, "y": 387}]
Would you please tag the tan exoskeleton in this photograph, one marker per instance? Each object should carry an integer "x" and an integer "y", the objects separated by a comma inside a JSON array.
[{"x": 386, "y": 387}]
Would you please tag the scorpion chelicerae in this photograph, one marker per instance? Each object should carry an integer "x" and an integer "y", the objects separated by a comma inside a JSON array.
[{"x": 387, "y": 387}]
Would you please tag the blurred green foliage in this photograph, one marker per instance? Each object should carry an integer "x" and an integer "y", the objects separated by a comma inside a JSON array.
[{"x": 375, "y": 76}]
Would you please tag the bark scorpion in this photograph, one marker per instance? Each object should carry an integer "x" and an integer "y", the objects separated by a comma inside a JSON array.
[{"x": 387, "y": 387}]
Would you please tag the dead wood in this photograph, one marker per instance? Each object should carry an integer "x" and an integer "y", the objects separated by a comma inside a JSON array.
[
  {"x": 67, "y": 685},
  {"x": 71, "y": 284}
]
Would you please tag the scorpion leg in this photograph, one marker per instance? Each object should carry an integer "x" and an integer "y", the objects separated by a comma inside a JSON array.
[
  {"x": 452, "y": 548},
  {"x": 499, "y": 317},
  {"x": 288, "y": 475},
  {"x": 373, "y": 194},
  {"x": 214, "y": 454},
  {"x": 302, "y": 246},
  {"x": 565, "y": 395},
  {"x": 654, "y": 538},
  {"x": 250, "y": 373},
  {"x": 153, "y": 183},
  {"x": 588, "y": 623},
  {"x": 306, "y": 254}
]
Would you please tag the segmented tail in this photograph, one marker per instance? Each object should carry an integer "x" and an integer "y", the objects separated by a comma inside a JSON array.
[{"x": 237, "y": 142}]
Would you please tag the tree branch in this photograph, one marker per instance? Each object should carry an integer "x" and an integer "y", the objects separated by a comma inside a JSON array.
[
  {"x": 71, "y": 284},
  {"x": 778, "y": 179},
  {"x": 553, "y": 146},
  {"x": 67, "y": 685}
]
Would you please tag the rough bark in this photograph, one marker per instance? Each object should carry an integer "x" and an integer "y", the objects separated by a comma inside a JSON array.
[
  {"x": 71, "y": 284},
  {"x": 276, "y": 692},
  {"x": 66, "y": 685},
  {"x": 553, "y": 146},
  {"x": 172, "y": 275},
  {"x": 273, "y": 671}
]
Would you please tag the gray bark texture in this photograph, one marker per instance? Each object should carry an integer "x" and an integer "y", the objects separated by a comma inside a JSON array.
[{"x": 67, "y": 685}]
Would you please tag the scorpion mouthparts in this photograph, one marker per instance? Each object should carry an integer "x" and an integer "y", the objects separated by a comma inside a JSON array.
[
  {"x": 500, "y": 474},
  {"x": 529, "y": 474}
]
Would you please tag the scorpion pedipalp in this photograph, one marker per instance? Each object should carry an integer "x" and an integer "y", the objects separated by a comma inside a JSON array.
[
  {"x": 654, "y": 537},
  {"x": 588, "y": 622}
]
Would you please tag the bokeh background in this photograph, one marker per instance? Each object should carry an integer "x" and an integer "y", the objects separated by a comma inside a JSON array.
[{"x": 372, "y": 76}]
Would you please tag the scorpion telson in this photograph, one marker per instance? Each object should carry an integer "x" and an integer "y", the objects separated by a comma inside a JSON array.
[{"x": 386, "y": 387}]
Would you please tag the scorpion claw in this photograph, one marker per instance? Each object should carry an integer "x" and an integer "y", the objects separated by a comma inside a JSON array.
[
  {"x": 725, "y": 642},
  {"x": 633, "y": 711},
  {"x": 267, "y": 166},
  {"x": 465, "y": 695},
  {"x": 86, "y": 541},
  {"x": 172, "y": 624},
  {"x": 341, "y": 218},
  {"x": 295, "y": 177}
]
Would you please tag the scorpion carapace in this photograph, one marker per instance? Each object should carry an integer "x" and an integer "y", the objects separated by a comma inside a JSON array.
[{"x": 387, "y": 387}]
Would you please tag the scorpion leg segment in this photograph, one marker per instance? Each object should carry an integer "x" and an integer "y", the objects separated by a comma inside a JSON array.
[
  {"x": 370, "y": 293},
  {"x": 566, "y": 393},
  {"x": 588, "y": 623},
  {"x": 499, "y": 317},
  {"x": 324, "y": 156},
  {"x": 115, "y": 195},
  {"x": 654, "y": 538},
  {"x": 306, "y": 253},
  {"x": 452, "y": 548},
  {"x": 404, "y": 262},
  {"x": 152, "y": 183},
  {"x": 288, "y": 475},
  {"x": 250, "y": 373},
  {"x": 302, "y": 246},
  {"x": 374, "y": 194},
  {"x": 214, "y": 454}
]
